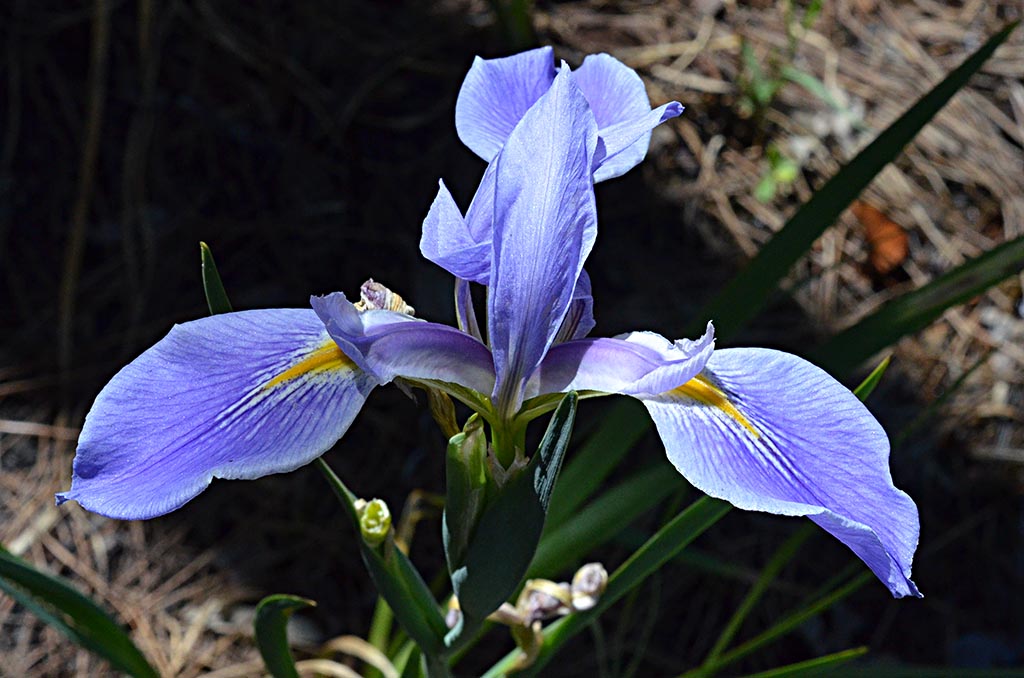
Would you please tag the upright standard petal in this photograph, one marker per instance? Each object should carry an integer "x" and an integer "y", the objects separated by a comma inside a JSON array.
[
  {"x": 768, "y": 431},
  {"x": 238, "y": 395},
  {"x": 544, "y": 227},
  {"x": 387, "y": 344},
  {"x": 496, "y": 95},
  {"x": 631, "y": 364},
  {"x": 624, "y": 117}
]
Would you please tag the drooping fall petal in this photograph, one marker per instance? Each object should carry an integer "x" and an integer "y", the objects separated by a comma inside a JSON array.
[
  {"x": 768, "y": 431},
  {"x": 237, "y": 395}
]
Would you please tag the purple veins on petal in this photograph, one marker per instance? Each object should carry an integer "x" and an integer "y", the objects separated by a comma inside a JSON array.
[
  {"x": 449, "y": 240},
  {"x": 631, "y": 364},
  {"x": 237, "y": 395},
  {"x": 387, "y": 344},
  {"x": 497, "y": 93},
  {"x": 768, "y": 431},
  {"x": 619, "y": 100},
  {"x": 545, "y": 223}
]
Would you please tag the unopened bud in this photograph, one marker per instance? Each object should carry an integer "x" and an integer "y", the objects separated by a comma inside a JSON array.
[
  {"x": 374, "y": 521},
  {"x": 588, "y": 584}
]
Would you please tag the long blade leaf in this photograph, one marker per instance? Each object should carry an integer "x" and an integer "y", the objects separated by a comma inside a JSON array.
[
  {"x": 213, "y": 288},
  {"x": 271, "y": 626},
  {"x": 916, "y": 310},
  {"x": 746, "y": 294},
  {"x": 76, "y": 616},
  {"x": 397, "y": 579},
  {"x": 618, "y": 431},
  {"x": 602, "y": 520},
  {"x": 813, "y": 667}
]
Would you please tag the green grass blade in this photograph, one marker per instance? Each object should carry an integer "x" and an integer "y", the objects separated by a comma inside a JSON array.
[
  {"x": 602, "y": 520},
  {"x": 271, "y": 633},
  {"x": 813, "y": 667},
  {"x": 659, "y": 549},
  {"x": 784, "y": 626},
  {"x": 875, "y": 671},
  {"x": 782, "y": 556},
  {"x": 80, "y": 619},
  {"x": 870, "y": 383},
  {"x": 583, "y": 474},
  {"x": 213, "y": 288},
  {"x": 747, "y": 293},
  {"x": 916, "y": 310}
]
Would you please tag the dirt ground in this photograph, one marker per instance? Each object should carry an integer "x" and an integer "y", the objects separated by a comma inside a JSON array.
[{"x": 303, "y": 142}]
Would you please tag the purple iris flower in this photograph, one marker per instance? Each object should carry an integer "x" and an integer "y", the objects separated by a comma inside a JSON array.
[{"x": 246, "y": 394}]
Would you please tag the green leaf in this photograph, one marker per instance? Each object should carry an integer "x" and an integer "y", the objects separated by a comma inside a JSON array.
[
  {"x": 396, "y": 578},
  {"x": 621, "y": 427},
  {"x": 271, "y": 632},
  {"x": 80, "y": 619},
  {"x": 603, "y": 519},
  {"x": 811, "y": 13},
  {"x": 216, "y": 297},
  {"x": 659, "y": 549},
  {"x": 747, "y": 293},
  {"x": 787, "y": 624},
  {"x": 510, "y": 528},
  {"x": 867, "y": 387},
  {"x": 765, "y": 189},
  {"x": 916, "y": 310},
  {"x": 890, "y": 671},
  {"x": 813, "y": 667},
  {"x": 782, "y": 556},
  {"x": 466, "y": 488}
]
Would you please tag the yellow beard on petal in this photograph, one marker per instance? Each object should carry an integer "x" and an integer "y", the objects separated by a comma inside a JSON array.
[
  {"x": 324, "y": 358},
  {"x": 702, "y": 390}
]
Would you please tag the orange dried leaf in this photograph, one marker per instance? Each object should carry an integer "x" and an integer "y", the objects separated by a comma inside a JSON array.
[{"x": 887, "y": 240}]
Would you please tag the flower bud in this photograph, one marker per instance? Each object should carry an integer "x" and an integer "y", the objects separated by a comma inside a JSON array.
[
  {"x": 588, "y": 584},
  {"x": 374, "y": 521}
]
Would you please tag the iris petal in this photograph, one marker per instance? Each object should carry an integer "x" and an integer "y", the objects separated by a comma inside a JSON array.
[
  {"x": 624, "y": 118},
  {"x": 768, "y": 431},
  {"x": 496, "y": 94},
  {"x": 465, "y": 310},
  {"x": 388, "y": 344},
  {"x": 580, "y": 318},
  {"x": 545, "y": 223},
  {"x": 448, "y": 241},
  {"x": 238, "y": 395},
  {"x": 632, "y": 364}
]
